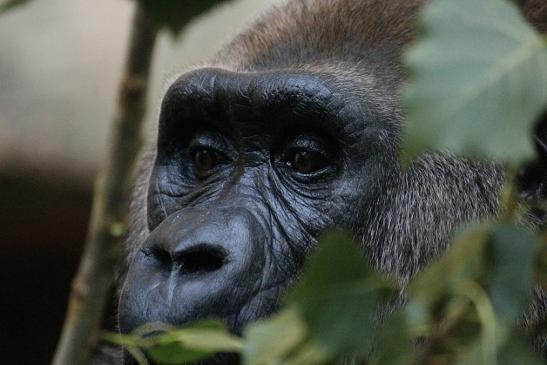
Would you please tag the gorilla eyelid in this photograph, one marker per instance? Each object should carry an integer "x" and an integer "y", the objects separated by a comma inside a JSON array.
[
  {"x": 306, "y": 162},
  {"x": 307, "y": 155}
]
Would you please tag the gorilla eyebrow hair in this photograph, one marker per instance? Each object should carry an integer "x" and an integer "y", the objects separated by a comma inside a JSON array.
[{"x": 256, "y": 100}]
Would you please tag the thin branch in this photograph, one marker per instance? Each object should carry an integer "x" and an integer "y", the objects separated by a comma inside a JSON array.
[{"x": 108, "y": 222}]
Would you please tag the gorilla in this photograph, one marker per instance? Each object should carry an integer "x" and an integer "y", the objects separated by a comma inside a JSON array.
[{"x": 294, "y": 127}]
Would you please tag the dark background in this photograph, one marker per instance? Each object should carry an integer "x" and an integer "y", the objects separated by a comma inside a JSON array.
[{"x": 44, "y": 224}]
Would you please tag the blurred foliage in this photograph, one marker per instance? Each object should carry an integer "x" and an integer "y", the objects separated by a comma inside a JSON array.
[
  {"x": 478, "y": 81},
  {"x": 478, "y": 70},
  {"x": 329, "y": 314},
  {"x": 6, "y": 5},
  {"x": 175, "y": 14},
  {"x": 171, "y": 14},
  {"x": 176, "y": 346},
  {"x": 465, "y": 306}
]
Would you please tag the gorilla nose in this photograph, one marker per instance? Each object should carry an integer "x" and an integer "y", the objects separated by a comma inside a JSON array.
[
  {"x": 197, "y": 263},
  {"x": 200, "y": 258},
  {"x": 198, "y": 242}
]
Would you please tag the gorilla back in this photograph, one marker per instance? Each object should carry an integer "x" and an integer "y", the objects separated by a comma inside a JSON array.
[{"x": 291, "y": 129}]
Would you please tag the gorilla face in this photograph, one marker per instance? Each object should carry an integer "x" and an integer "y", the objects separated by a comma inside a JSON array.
[
  {"x": 250, "y": 168},
  {"x": 292, "y": 129}
]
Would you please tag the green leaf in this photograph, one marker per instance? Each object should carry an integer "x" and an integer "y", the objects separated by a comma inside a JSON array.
[
  {"x": 122, "y": 340},
  {"x": 271, "y": 340},
  {"x": 310, "y": 353},
  {"x": 478, "y": 80},
  {"x": 394, "y": 342},
  {"x": 192, "y": 343},
  {"x": 433, "y": 287},
  {"x": 137, "y": 355},
  {"x": 175, "y": 14},
  {"x": 518, "y": 351},
  {"x": 339, "y": 296},
  {"x": 175, "y": 353},
  {"x": 209, "y": 336},
  {"x": 11, "y": 4},
  {"x": 511, "y": 257},
  {"x": 514, "y": 351},
  {"x": 472, "y": 355}
]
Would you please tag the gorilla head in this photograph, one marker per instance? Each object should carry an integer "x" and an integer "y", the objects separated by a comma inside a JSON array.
[{"x": 293, "y": 128}]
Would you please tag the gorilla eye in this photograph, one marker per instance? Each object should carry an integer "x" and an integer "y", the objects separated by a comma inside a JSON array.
[
  {"x": 306, "y": 154},
  {"x": 205, "y": 159},
  {"x": 306, "y": 162}
]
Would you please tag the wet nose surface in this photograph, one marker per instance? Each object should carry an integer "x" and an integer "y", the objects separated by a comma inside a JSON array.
[{"x": 191, "y": 266}]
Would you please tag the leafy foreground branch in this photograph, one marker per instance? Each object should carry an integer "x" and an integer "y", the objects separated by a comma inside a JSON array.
[
  {"x": 110, "y": 206},
  {"x": 331, "y": 312},
  {"x": 465, "y": 306},
  {"x": 464, "y": 309}
]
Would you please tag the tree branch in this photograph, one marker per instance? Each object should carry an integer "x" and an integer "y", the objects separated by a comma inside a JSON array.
[{"x": 108, "y": 222}]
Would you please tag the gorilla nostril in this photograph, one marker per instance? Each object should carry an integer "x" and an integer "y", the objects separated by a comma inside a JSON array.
[
  {"x": 202, "y": 258},
  {"x": 160, "y": 256}
]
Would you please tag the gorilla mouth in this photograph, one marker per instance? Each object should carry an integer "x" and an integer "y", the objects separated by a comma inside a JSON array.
[{"x": 260, "y": 305}]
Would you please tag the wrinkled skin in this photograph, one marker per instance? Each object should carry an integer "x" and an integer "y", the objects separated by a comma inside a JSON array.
[
  {"x": 293, "y": 128},
  {"x": 226, "y": 239}
]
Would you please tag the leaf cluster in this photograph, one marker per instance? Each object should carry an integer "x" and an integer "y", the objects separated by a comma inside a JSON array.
[{"x": 464, "y": 306}]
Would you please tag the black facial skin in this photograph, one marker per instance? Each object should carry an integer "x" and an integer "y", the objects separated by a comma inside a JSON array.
[{"x": 250, "y": 168}]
